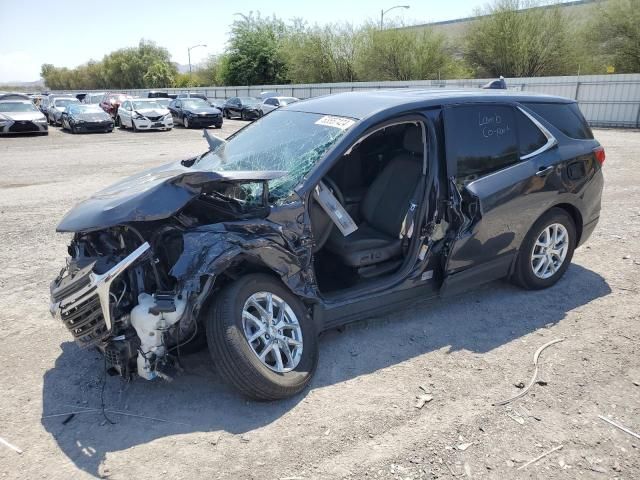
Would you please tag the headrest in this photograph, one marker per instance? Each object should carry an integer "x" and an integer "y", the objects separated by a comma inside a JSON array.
[{"x": 413, "y": 139}]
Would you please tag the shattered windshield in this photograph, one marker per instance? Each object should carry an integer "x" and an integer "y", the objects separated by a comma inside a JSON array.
[{"x": 287, "y": 141}]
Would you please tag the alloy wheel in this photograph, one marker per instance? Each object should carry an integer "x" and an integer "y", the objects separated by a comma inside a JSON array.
[
  {"x": 550, "y": 250},
  {"x": 273, "y": 331}
]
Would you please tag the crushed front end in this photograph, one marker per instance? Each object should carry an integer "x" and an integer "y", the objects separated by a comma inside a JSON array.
[{"x": 115, "y": 294}]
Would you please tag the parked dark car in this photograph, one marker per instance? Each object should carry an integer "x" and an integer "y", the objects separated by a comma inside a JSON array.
[
  {"x": 156, "y": 94},
  {"x": 247, "y": 108},
  {"x": 80, "y": 118},
  {"x": 194, "y": 112},
  {"x": 112, "y": 101},
  {"x": 321, "y": 213}
]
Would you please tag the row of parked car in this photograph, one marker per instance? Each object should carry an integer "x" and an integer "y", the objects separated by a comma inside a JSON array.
[{"x": 101, "y": 112}]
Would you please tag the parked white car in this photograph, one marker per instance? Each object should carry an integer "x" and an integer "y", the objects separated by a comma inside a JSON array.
[
  {"x": 272, "y": 103},
  {"x": 144, "y": 114}
]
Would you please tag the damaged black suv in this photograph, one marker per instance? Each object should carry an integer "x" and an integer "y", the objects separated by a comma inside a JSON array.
[{"x": 324, "y": 212}]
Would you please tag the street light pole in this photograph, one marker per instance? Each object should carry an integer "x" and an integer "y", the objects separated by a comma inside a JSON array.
[
  {"x": 384, "y": 12},
  {"x": 189, "y": 54}
]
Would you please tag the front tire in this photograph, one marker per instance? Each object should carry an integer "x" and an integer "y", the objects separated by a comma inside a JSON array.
[
  {"x": 185, "y": 122},
  {"x": 547, "y": 250},
  {"x": 261, "y": 338}
]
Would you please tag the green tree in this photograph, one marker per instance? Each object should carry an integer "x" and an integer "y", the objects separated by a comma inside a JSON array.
[
  {"x": 160, "y": 74},
  {"x": 612, "y": 35},
  {"x": 144, "y": 66},
  {"x": 515, "y": 40},
  {"x": 254, "y": 54},
  {"x": 405, "y": 54}
]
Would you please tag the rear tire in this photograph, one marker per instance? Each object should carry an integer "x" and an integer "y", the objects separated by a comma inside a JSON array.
[
  {"x": 236, "y": 359},
  {"x": 535, "y": 269}
]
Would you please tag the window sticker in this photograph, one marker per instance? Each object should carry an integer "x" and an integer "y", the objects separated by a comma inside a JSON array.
[{"x": 337, "y": 122}]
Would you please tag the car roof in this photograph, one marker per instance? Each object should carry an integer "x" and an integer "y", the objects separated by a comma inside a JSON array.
[
  {"x": 360, "y": 105},
  {"x": 14, "y": 100}
]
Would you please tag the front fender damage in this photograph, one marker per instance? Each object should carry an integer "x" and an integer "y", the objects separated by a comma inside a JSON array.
[{"x": 212, "y": 249}]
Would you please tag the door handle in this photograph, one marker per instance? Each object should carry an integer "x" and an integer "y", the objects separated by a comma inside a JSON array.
[{"x": 544, "y": 171}]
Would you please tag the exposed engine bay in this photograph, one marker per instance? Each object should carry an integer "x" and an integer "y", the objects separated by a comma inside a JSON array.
[{"x": 117, "y": 294}]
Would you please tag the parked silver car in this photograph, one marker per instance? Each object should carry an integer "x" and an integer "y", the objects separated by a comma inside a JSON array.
[
  {"x": 271, "y": 103},
  {"x": 21, "y": 116},
  {"x": 93, "y": 98},
  {"x": 57, "y": 105}
]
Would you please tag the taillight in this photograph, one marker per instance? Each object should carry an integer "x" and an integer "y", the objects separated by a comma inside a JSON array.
[{"x": 600, "y": 156}]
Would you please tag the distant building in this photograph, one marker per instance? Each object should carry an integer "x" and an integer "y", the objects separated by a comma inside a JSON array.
[{"x": 454, "y": 29}]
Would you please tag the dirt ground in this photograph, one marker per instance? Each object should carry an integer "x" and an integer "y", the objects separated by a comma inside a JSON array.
[{"x": 359, "y": 418}]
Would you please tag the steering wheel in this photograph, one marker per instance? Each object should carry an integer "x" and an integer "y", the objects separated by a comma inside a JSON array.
[{"x": 321, "y": 223}]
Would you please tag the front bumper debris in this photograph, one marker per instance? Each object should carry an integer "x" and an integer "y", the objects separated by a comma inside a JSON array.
[{"x": 81, "y": 300}]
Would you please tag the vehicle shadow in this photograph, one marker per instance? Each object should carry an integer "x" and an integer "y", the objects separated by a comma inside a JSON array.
[{"x": 198, "y": 401}]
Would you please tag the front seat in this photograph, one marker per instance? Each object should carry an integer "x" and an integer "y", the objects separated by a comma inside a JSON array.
[{"x": 383, "y": 209}]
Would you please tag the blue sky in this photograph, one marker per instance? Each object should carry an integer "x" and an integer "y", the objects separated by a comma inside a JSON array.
[{"x": 70, "y": 32}]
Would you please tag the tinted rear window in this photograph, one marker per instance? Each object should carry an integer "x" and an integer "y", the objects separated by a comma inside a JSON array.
[{"x": 566, "y": 117}]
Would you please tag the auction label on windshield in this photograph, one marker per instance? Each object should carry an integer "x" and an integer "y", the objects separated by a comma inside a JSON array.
[{"x": 337, "y": 122}]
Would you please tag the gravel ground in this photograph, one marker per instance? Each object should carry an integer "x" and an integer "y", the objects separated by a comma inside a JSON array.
[{"x": 359, "y": 417}]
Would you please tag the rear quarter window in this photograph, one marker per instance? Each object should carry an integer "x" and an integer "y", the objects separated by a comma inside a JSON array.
[
  {"x": 530, "y": 136},
  {"x": 566, "y": 117}
]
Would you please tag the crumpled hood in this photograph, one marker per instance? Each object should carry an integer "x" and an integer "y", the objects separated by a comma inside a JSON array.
[
  {"x": 153, "y": 112},
  {"x": 154, "y": 194}
]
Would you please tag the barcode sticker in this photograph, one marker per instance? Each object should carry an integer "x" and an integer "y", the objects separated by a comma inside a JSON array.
[{"x": 337, "y": 122}]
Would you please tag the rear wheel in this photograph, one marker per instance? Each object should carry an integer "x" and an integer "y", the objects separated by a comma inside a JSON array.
[
  {"x": 546, "y": 251},
  {"x": 261, "y": 338}
]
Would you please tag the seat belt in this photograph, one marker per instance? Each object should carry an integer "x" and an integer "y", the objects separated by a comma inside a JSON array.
[{"x": 406, "y": 230}]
